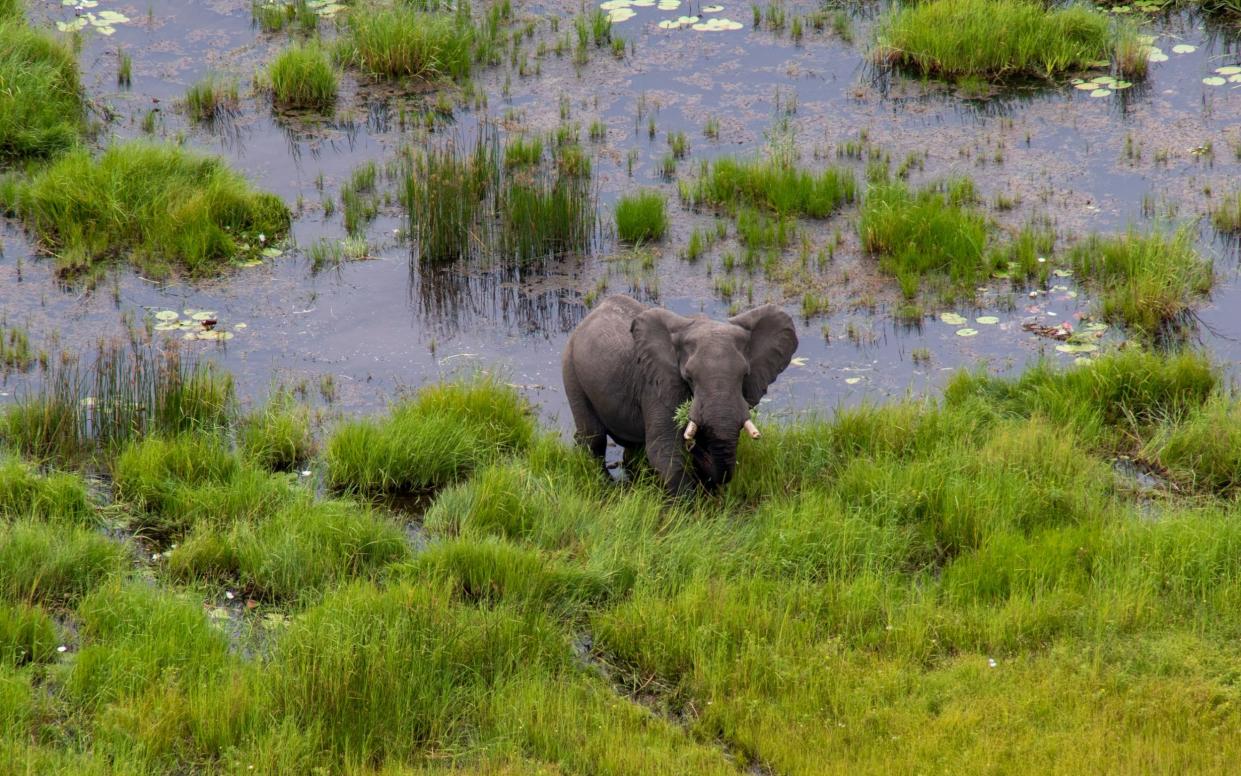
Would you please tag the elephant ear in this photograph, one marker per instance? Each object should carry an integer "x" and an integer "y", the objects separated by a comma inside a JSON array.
[
  {"x": 773, "y": 340},
  {"x": 653, "y": 332}
]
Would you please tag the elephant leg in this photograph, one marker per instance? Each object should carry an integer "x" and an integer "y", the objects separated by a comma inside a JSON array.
[{"x": 590, "y": 433}]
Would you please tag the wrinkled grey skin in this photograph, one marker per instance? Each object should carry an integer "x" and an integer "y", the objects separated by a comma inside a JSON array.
[{"x": 627, "y": 367}]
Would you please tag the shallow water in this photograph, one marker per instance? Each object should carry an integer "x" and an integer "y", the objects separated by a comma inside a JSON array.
[{"x": 377, "y": 326}]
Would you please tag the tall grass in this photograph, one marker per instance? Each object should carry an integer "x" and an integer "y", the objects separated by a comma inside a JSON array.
[
  {"x": 1146, "y": 282},
  {"x": 772, "y": 185},
  {"x": 401, "y": 41},
  {"x": 451, "y": 198},
  {"x": 641, "y": 217},
  {"x": 301, "y": 77},
  {"x": 41, "y": 108},
  {"x": 160, "y": 206},
  {"x": 1002, "y": 39},
  {"x": 934, "y": 231},
  {"x": 122, "y": 393}
]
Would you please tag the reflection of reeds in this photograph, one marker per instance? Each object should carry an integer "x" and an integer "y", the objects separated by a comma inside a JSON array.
[
  {"x": 469, "y": 205},
  {"x": 127, "y": 391}
]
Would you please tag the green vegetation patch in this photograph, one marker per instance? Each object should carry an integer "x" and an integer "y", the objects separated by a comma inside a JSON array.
[
  {"x": 1000, "y": 39},
  {"x": 425, "y": 40},
  {"x": 769, "y": 184},
  {"x": 301, "y": 77},
  {"x": 27, "y": 635},
  {"x": 1147, "y": 282},
  {"x": 160, "y": 206},
  {"x": 641, "y": 217},
  {"x": 429, "y": 441},
  {"x": 1226, "y": 216},
  {"x": 41, "y": 108},
  {"x": 277, "y": 437},
  {"x": 52, "y": 497},
  {"x": 55, "y": 565}
]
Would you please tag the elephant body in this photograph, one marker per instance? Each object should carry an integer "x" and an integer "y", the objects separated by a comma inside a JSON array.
[{"x": 627, "y": 367}]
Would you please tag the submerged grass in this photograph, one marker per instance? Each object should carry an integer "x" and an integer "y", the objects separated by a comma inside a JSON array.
[
  {"x": 893, "y": 588},
  {"x": 41, "y": 107},
  {"x": 1000, "y": 39},
  {"x": 160, "y": 206}
]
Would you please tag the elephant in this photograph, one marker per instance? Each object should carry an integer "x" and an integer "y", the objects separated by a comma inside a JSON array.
[{"x": 628, "y": 367}]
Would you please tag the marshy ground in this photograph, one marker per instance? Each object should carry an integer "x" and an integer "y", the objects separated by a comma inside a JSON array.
[{"x": 284, "y": 478}]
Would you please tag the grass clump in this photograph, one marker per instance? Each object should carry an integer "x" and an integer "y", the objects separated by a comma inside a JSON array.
[
  {"x": 430, "y": 440},
  {"x": 1000, "y": 39},
  {"x": 41, "y": 107},
  {"x": 52, "y": 497},
  {"x": 1226, "y": 216},
  {"x": 55, "y": 565},
  {"x": 774, "y": 186},
  {"x": 934, "y": 231},
  {"x": 302, "y": 78},
  {"x": 15, "y": 351},
  {"x": 27, "y": 635},
  {"x": 278, "y": 437},
  {"x": 161, "y": 206},
  {"x": 421, "y": 40},
  {"x": 1147, "y": 282},
  {"x": 211, "y": 98},
  {"x": 641, "y": 217}
]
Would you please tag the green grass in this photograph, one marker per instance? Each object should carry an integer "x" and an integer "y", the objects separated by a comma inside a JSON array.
[
  {"x": 41, "y": 108},
  {"x": 211, "y": 98},
  {"x": 958, "y": 584},
  {"x": 302, "y": 78},
  {"x": 1148, "y": 282},
  {"x": 277, "y": 437},
  {"x": 1000, "y": 39},
  {"x": 641, "y": 217},
  {"x": 730, "y": 184},
  {"x": 53, "y": 497},
  {"x": 935, "y": 231},
  {"x": 1226, "y": 216},
  {"x": 161, "y": 207},
  {"x": 401, "y": 41},
  {"x": 429, "y": 441},
  {"x": 15, "y": 351}
]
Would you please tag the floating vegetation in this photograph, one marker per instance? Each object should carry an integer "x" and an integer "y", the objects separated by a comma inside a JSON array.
[
  {"x": 1001, "y": 39},
  {"x": 1230, "y": 74},
  {"x": 301, "y": 77},
  {"x": 41, "y": 109},
  {"x": 160, "y": 206},
  {"x": 1146, "y": 282},
  {"x": 623, "y": 10},
  {"x": 471, "y": 205},
  {"x": 1101, "y": 86},
  {"x": 103, "y": 22},
  {"x": 196, "y": 325}
]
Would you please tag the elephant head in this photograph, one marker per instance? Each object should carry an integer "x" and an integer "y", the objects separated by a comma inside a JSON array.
[{"x": 724, "y": 368}]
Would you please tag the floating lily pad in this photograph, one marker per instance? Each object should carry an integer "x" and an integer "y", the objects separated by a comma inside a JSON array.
[
  {"x": 1234, "y": 79},
  {"x": 272, "y": 253},
  {"x": 669, "y": 24},
  {"x": 1214, "y": 80},
  {"x": 214, "y": 336},
  {"x": 853, "y": 380},
  {"x": 668, "y": 5},
  {"x": 1184, "y": 48},
  {"x": 1103, "y": 79},
  {"x": 1085, "y": 86},
  {"x": 987, "y": 320},
  {"x": 952, "y": 319},
  {"x": 72, "y": 26},
  {"x": 239, "y": 326},
  {"x": 1095, "y": 326},
  {"x": 717, "y": 25},
  {"x": 687, "y": 20},
  {"x": 1101, "y": 93},
  {"x": 1117, "y": 85},
  {"x": 966, "y": 332},
  {"x": 203, "y": 315},
  {"x": 111, "y": 17},
  {"x": 1062, "y": 273},
  {"x": 621, "y": 15},
  {"x": 1155, "y": 54},
  {"x": 166, "y": 315},
  {"x": 642, "y": 3},
  {"x": 168, "y": 326},
  {"x": 1229, "y": 70},
  {"x": 612, "y": 5}
]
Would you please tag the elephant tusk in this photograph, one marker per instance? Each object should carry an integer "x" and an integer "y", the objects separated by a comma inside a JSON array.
[
  {"x": 691, "y": 429},
  {"x": 752, "y": 429}
]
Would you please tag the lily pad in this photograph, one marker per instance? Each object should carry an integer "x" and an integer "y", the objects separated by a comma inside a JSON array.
[
  {"x": 967, "y": 332},
  {"x": 1085, "y": 86},
  {"x": 167, "y": 326},
  {"x": 111, "y": 17},
  {"x": 717, "y": 25},
  {"x": 1077, "y": 347},
  {"x": 621, "y": 15},
  {"x": 1214, "y": 80},
  {"x": 72, "y": 26},
  {"x": 1234, "y": 79},
  {"x": 214, "y": 336},
  {"x": 203, "y": 315},
  {"x": 853, "y": 380},
  {"x": 1118, "y": 85},
  {"x": 952, "y": 319},
  {"x": 1103, "y": 79},
  {"x": 272, "y": 253},
  {"x": 987, "y": 320},
  {"x": 612, "y": 5},
  {"x": 1184, "y": 48},
  {"x": 166, "y": 315},
  {"x": 1229, "y": 70},
  {"x": 1101, "y": 93}
]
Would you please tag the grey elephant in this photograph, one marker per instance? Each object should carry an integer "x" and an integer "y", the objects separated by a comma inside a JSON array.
[{"x": 628, "y": 367}]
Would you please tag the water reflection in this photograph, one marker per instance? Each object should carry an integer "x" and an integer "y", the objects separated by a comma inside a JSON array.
[{"x": 532, "y": 301}]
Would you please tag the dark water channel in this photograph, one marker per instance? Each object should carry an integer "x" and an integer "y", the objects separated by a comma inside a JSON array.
[{"x": 378, "y": 325}]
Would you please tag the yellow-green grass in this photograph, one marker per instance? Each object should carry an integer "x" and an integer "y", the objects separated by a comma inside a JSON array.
[
  {"x": 301, "y": 77},
  {"x": 1226, "y": 216},
  {"x": 159, "y": 206},
  {"x": 401, "y": 41},
  {"x": 1146, "y": 281},
  {"x": 965, "y": 584},
  {"x": 1000, "y": 39},
  {"x": 212, "y": 97},
  {"x": 41, "y": 108},
  {"x": 641, "y": 217},
  {"x": 278, "y": 436},
  {"x": 53, "y": 497}
]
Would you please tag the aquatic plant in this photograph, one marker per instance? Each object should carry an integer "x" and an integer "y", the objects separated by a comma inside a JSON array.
[
  {"x": 277, "y": 437},
  {"x": 422, "y": 40},
  {"x": 160, "y": 206},
  {"x": 41, "y": 108},
  {"x": 211, "y": 98},
  {"x": 1002, "y": 39},
  {"x": 1145, "y": 281},
  {"x": 731, "y": 183},
  {"x": 1226, "y": 216},
  {"x": 301, "y": 77},
  {"x": 451, "y": 198},
  {"x": 641, "y": 217}
]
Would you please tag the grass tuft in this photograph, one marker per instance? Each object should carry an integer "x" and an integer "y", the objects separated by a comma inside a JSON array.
[
  {"x": 212, "y": 98},
  {"x": 302, "y": 78},
  {"x": 160, "y": 206},
  {"x": 641, "y": 217},
  {"x": 41, "y": 107},
  {"x": 785, "y": 190}
]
